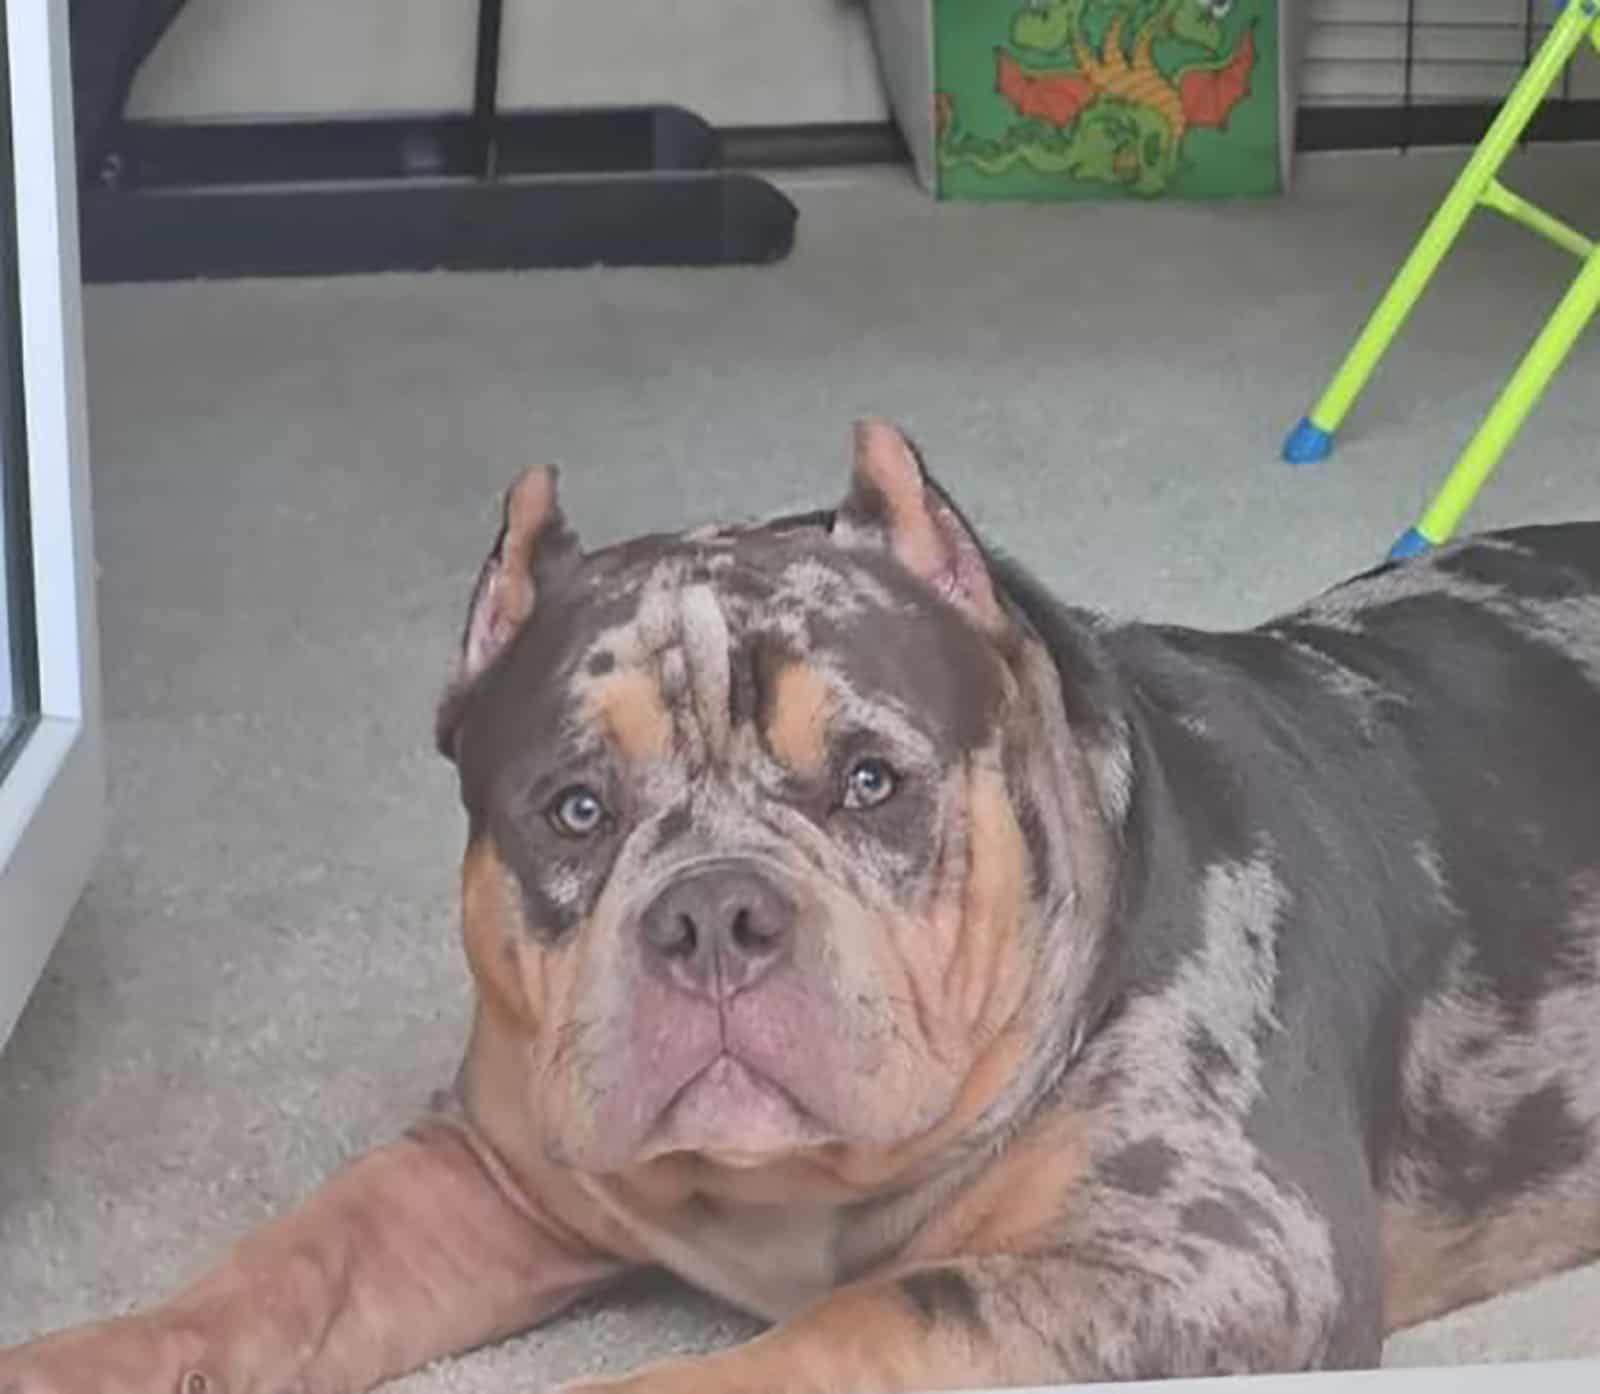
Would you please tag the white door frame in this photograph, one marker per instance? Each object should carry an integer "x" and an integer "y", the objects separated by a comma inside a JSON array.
[{"x": 52, "y": 799}]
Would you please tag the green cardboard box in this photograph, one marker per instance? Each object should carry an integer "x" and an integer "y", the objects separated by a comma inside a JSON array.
[{"x": 1074, "y": 99}]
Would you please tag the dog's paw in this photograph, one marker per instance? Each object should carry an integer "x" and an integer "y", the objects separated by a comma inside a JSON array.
[{"x": 131, "y": 1355}]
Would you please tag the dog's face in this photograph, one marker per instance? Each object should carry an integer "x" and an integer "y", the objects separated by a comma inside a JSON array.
[{"x": 757, "y": 844}]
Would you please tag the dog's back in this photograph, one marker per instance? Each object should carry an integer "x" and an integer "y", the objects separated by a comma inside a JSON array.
[
  {"x": 1464, "y": 733},
  {"x": 1492, "y": 1163}
]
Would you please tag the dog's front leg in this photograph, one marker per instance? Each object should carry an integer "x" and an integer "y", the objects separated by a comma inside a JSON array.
[
  {"x": 413, "y": 1252},
  {"x": 1029, "y": 1320}
]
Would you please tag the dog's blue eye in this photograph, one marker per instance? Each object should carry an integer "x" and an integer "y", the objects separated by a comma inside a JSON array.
[
  {"x": 869, "y": 783},
  {"x": 577, "y": 811}
]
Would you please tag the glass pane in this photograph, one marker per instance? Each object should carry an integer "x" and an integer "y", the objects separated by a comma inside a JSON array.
[{"x": 19, "y": 668}]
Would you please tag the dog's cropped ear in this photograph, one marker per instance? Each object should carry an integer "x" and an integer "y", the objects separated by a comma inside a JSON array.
[
  {"x": 533, "y": 545},
  {"x": 895, "y": 506},
  {"x": 534, "y": 540}
]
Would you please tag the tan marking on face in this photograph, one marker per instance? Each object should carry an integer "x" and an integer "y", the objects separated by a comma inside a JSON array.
[
  {"x": 797, "y": 725},
  {"x": 519, "y": 979},
  {"x": 628, "y": 706},
  {"x": 962, "y": 959},
  {"x": 533, "y": 992},
  {"x": 499, "y": 1102},
  {"x": 490, "y": 923},
  {"x": 989, "y": 973}
]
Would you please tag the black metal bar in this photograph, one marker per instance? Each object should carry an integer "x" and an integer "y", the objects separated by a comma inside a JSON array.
[
  {"x": 110, "y": 41},
  {"x": 478, "y": 190},
  {"x": 1408, "y": 101},
  {"x": 161, "y": 154},
  {"x": 815, "y": 145},
  {"x": 680, "y": 140},
  {"x": 595, "y": 139},
  {"x": 695, "y": 218},
  {"x": 154, "y": 154},
  {"x": 1385, "y": 128},
  {"x": 486, "y": 82}
]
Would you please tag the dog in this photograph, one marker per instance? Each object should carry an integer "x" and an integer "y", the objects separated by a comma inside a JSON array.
[{"x": 983, "y": 992}]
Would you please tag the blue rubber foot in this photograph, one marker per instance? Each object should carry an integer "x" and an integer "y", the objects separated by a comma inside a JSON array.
[
  {"x": 1307, "y": 444},
  {"x": 1411, "y": 544}
]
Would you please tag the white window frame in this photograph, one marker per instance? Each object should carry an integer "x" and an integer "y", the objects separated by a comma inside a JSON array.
[{"x": 52, "y": 799}]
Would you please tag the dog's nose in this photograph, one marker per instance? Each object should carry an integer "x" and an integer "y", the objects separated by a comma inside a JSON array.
[{"x": 718, "y": 929}]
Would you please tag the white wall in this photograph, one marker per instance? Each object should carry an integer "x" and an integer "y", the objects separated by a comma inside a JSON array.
[{"x": 733, "y": 61}]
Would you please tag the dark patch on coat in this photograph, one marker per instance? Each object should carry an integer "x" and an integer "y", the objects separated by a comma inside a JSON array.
[
  {"x": 938, "y": 668},
  {"x": 1517, "y": 787},
  {"x": 1092, "y": 693},
  {"x": 1550, "y": 572},
  {"x": 676, "y": 824},
  {"x": 1210, "y": 1219},
  {"x": 1470, "y": 1174},
  {"x": 1164, "y": 852},
  {"x": 1250, "y": 1210},
  {"x": 945, "y": 1296},
  {"x": 1209, "y": 1061},
  {"x": 1142, "y": 1168}
]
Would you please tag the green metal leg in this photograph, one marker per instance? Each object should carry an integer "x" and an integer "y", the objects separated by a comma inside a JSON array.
[
  {"x": 1520, "y": 396},
  {"x": 1313, "y": 437},
  {"x": 1535, "y": 219}
]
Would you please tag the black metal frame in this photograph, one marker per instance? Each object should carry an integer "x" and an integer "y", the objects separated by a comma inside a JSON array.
[
  {"x": 1414, "y": 127},
  {"x": 485, "y": 188},
  {"x": 15, "y": 533},
  {"x": 1416, "y": 123},
  {"x": 150, "y": 155},
  {"x": 481, "y": 189}
]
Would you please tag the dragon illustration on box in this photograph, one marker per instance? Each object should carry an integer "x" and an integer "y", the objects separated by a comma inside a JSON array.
[{"x": 1109, "y": 113}]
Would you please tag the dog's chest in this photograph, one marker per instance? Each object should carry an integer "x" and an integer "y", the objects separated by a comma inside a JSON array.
[{"x": 769, "y": 1260}]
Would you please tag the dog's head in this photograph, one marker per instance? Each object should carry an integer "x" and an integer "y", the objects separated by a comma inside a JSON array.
[{"x": 781, "y": 849}]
